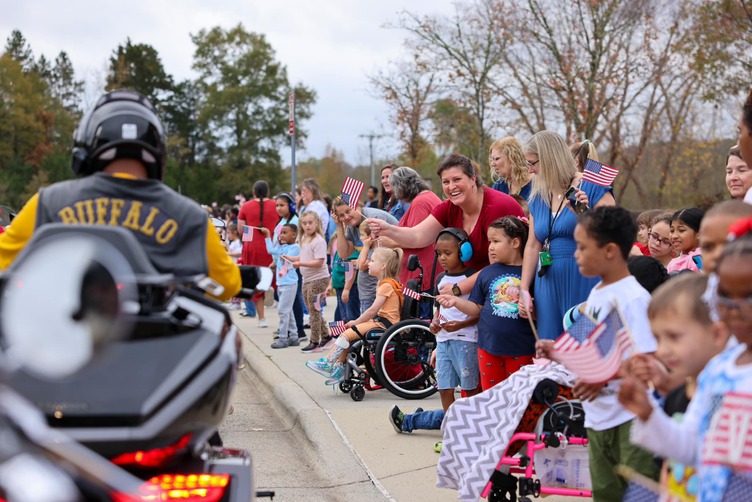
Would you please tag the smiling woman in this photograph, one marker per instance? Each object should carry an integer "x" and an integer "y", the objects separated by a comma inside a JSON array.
[
  {"x": 470, "y": 205},
  {"x": 738, "y": 174}
]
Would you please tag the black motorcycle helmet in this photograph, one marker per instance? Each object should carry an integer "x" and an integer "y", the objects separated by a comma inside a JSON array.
[{"x": 123, "y": 124}]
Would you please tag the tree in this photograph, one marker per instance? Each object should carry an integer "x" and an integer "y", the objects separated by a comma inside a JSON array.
[
  {"x": 63, "y": 84},
  {"x": 18, "y": 48},
  {"x": 409, "y": 90},
  {"x": 466, "y": 50},
  {"x": 138, "y": 67},
  {"x": 243, "y": 108}
]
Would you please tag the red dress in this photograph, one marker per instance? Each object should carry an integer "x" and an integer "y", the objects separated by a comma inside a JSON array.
[{"x": 254, "y": 252}]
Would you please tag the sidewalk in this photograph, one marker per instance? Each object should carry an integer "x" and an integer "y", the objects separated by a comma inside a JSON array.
[{"x": 354, "y": 441}]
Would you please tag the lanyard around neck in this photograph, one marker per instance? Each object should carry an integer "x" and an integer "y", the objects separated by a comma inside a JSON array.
[{"x": 552, "y": 219}]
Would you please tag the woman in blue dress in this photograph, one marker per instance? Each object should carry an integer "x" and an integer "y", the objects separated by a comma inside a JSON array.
[
  {"x": 509, "y": 168},
  {"x": 549, "y": 254}
]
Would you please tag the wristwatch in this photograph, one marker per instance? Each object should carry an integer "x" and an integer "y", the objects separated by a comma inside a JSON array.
[{"x": 456, "y": 290}]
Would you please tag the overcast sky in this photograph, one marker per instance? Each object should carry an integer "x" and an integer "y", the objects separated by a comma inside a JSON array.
[{"x": 329, "y": 45}]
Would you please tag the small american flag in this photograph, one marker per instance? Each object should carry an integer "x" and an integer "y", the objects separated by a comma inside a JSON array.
[
  {"x": 442, "y": 319},
  {"x": 349, "y": 270},
  {"x": 247, "y": 233},
  {"x": 337, "y": 328},
  {"x": 284, "y": 267},
  {"x": 594, "y": 355},
  {"x": 729, "y": 437},
  {"x": 411, "y": 293},
  {"x": 597, "y": 173},
  {"x": 319, "y": 301},
  {"x": 351, "y": 191}
]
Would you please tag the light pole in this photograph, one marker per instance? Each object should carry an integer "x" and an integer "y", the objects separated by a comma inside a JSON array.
[{"x": 371, "y": 136}]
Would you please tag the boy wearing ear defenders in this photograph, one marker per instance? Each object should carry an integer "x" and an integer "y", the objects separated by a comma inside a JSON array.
[{"x": 456, "y": 354}]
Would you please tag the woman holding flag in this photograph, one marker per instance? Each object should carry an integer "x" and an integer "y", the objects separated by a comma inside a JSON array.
[{"x": 559, "y": 193}]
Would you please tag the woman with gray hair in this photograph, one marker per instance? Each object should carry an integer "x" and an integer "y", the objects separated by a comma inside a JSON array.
[{"x": 409, "y": 187}]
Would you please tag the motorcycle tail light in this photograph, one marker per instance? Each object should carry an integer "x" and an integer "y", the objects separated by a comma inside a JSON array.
[
  {"x": 153, "y": 458},
  {"x": 182, "y": 487}
]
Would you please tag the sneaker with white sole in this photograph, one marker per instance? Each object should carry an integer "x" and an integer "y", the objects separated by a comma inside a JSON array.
[
  {"x": 310, "y": 347},
  {"x": 337, "y": 375},
  {"x": 396, "y": 417},
  {"x": 263, "y": 324},
  {"x": 322, "y": 366}
]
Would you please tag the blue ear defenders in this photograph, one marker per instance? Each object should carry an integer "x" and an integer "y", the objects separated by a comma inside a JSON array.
[
  {"x": 290, "y": 201},
  {"x": 465, "y": 248}
]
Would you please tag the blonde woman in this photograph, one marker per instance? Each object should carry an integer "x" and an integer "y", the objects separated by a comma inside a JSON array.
[
  {"x": 549, "y": 253},
  {"x": 509, "y": 168}
]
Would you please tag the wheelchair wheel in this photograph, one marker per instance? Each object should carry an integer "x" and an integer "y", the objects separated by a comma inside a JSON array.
[
  {"x": 403, "y": 359},
  {"x": 357, "y": 393},
  {"x": 345, "y": 386}
]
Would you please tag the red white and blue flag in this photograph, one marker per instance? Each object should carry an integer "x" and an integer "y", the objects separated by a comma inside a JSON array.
[
  {"x": 351, "y": 191},
  {"x": 411, "y": 293},
  {"x": 593, "y": 352},
  {"x": 284, "y": 267},
  {"x": 247, "y": 233},
  {"x": 349, "y": 270},
  {"x": 319, "y": 301},
  {"x": 442, "y": 319},
  {"x": 337, "y": 328},
  {"x": 598, "y": 173}
]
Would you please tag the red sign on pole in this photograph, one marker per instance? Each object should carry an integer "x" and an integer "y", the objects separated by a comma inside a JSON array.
[{"x": 291, "y": 103}]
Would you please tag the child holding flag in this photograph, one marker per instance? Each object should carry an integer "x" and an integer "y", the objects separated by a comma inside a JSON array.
[
  {"x": 384, "y": 312},
  {"x": 287, "y": 282},
  {"x": 604, "y": 238}
]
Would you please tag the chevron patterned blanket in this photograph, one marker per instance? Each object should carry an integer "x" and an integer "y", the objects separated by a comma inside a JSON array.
[{"x": 477, "y": 429}]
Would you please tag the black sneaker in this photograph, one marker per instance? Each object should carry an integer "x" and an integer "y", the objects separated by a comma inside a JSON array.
[
  {"x": 310, "y": 347},
  {"x": 396, "y": 417},
  {"x": 418, "y": 410}
]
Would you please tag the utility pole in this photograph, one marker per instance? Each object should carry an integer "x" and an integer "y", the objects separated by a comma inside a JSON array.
[{"x": 371, "y": 136}]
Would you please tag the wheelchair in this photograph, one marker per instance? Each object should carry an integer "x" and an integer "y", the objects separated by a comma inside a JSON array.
[{"x": 397, "y": 357}]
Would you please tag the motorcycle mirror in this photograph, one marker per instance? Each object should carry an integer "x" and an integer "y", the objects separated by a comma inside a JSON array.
[{"x": 68, "y": 298}]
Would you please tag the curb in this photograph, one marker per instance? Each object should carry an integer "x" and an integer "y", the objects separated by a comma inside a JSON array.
[{"x": 337, "y": 462}]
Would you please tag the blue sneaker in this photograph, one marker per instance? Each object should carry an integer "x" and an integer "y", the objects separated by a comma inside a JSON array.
[
  {"x": 337, "y": 374},
  {"x": 322, "y": 366}
]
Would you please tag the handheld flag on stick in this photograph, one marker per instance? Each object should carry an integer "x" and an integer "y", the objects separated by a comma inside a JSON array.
[
  {"x": 411, "y": 293},
  {"x": 247, "y": 233},
  {"x": 729, "y": 437},
  {"x": 593, "y": 352},
  {"x": 284, "y": 267},
  {"x": 597, "y": 173},
  {"x": 349, "y": 270},
  {"x": 319, "y": 301},
  {"x": 351, "y": 191},
  {"x": 337, "y": 328},
  {"x": 442, "y": 319}
]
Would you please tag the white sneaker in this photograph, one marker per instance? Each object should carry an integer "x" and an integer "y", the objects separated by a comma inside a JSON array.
[
  {"x": 263, "y": 324},
  {"x": 306, "y": 319},
  {"x": 274, "y": 305}
]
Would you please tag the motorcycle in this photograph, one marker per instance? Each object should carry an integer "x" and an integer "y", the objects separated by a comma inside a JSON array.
[{"x": 132, "y": 421}]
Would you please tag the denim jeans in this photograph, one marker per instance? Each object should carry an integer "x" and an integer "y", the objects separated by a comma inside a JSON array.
[
  {"x": 426, "y": 420},
  {"x": 287, "y": 328},
  {"x": 347, "y": 311}
]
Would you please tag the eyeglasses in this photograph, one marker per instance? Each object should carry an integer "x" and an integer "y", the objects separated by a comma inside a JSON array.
[
  {"x": 493, "y": 159},
  {"x": 658, "y": 240},
  {"x": 726, "y": 304},
  {"x": 532, "y": 164}
]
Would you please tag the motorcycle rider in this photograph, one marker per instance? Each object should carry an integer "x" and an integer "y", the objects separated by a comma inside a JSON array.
[{"x": 119, "y": 152}]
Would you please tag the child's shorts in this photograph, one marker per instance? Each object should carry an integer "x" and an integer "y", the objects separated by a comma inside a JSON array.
[{"x": 457, "y": 364}]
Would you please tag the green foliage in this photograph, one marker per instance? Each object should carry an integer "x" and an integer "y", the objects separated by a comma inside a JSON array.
[{"x": 138, "y": 67}]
